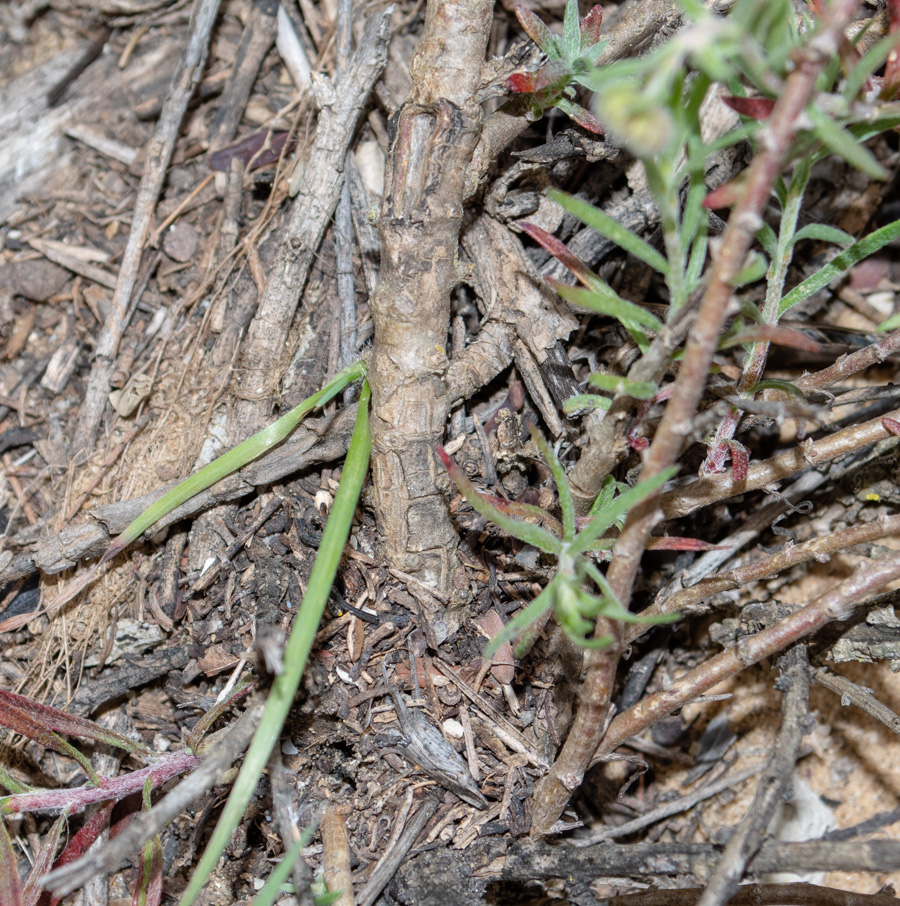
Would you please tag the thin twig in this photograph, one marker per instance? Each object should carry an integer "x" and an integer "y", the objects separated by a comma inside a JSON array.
[
  {"x": 819, "y": 549},
  {"x": 774, "y": 783},
  {"x": 159, "y": 153},
  {"x": 806, "y": 455},
  {"x": 852, "y": 693},
  {"x": 336, "y": 857},
  {"x": 226, "y": 751},
  {"x": 836, "y": 604},
  {"x": 675, "y": 807},
  {"x": 390, "y": 861},
  {"x": 764, "y": 895}
]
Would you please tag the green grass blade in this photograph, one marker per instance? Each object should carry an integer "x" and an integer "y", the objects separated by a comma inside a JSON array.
[
  {"x": 524, "y": 618},
  {"x": 272, "y": 888},
  {"x": 850, "y": 256},
  {"x": 616, "y": 383},
  {"x": 229, "y": 462},
  {"x": 337, "y": 530},
  {"x": 608, "y": 302},
  {"x": 839, "y": 141}
]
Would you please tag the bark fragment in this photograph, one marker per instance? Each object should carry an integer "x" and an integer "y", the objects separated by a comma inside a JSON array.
[{"x": 434, "y": 136}]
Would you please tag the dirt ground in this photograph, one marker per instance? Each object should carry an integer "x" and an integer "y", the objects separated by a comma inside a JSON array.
[{"x": 158, "y": 634}]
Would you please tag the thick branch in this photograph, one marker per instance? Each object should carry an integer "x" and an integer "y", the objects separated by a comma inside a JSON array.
[{"x": 434, "y": 136}]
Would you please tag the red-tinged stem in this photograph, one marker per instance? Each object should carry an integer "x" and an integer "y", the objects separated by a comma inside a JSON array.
[
  {"x": 554, "y": 790},
  {"x": 112, "y": 789}
]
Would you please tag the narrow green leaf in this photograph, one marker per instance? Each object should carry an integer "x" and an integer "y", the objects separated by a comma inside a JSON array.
[
  {"x": 768, "y": 240},
  {"x": 606, "y": 518},
  {"x": 562, "y": 484},
  {"x": 571, "y": 31},
  {"x": 605, "y": 497},
  {"x": 586, "y": 401},
  {"x": 821, "y": 232},
  {"x": 299, "y": 645},
  {"x": 778, "y": 384},
  {"x": 841, "y": 142},
  {"x": 8, "y": 782},
  {"x": 523, "y": 619},
  {"x": 272, "y": 888},
  {"x": 859, "y": 250},
  {"x": 609, "y": 303},
  {"x": 872, "y": 60},
  {"x": 611, "y": 229},
  {"x": 229, "y": 462},
  {"x": 524, "y": 531},
  {"x": 755, "y": 270},
  {"x": 617, "y": 383},
  {"x": 539, "y": 33},
  {"x": 892, "y": 323}
]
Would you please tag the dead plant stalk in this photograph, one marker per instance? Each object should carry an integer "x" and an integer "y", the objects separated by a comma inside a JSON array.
[{"x": 565, "y": 776}]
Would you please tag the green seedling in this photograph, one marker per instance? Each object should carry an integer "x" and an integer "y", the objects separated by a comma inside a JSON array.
[
  {"x": 569, "y": 58},
  {"x": 577, "y": 593}
]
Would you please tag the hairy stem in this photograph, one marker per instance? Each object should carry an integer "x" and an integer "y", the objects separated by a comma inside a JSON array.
[{"x": 565, "y": 775}]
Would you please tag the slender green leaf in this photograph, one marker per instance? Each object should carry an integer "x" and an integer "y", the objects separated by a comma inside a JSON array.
[
  {"x": 539, "y": 33},
  {"x": 755, "y": 270},
  {"x": 892, "y": 323},
  {"x": 8, "y": 782},
  {"x": 821, "y": 232},
  {"x": 617, "y": 383},
  {"x": 562, "y": 484},
  {"x": 571, "y": 31},
  {"x": 606, "y": 518},
  {"x": 229, "y": 462},
  {"x": 586, "y": 401},
  {"x": 778, "y": 384},
  {"x": 843, "y": 262},
  {"x": 872, "y": 60},
  {"x": 272, "y": 888},
  {"x": 524, "y": 531},
  {"x": 841, "y": 142},
  {"x": 611, "y": 229},
  {"x": 523, "y": 619},
  {"x": 605, "y": 497},
  {"x": 768, "y": 240},
  {"x": 299, "y": 645},
  {"x": 608, "y": 303}
]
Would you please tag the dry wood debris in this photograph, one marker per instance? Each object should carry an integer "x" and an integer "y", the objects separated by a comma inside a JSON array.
[{"x": 206, "y": 210}]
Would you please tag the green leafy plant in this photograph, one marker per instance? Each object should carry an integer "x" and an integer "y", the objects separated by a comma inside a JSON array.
[
  {"x": 652, "y": 105},
  {"x": 578, "y": 592},
  {"x": 568, "y": 58}
]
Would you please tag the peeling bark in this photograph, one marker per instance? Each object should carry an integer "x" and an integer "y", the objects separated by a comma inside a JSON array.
[{"x": 433, "y": 138}]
